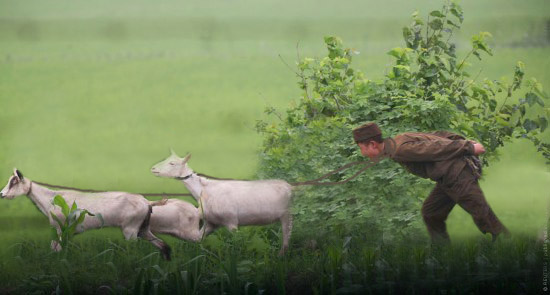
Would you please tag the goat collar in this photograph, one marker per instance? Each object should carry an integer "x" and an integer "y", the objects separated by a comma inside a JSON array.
[
  {"x": 30, "y": 189},
  {"x": 185, "y": 177}
]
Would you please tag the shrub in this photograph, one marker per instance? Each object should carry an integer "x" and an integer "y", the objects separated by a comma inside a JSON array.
[{"x": 428, "y": 88}]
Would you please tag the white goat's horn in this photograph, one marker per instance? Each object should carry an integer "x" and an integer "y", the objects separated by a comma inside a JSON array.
[{"x": 186, "y": 158}]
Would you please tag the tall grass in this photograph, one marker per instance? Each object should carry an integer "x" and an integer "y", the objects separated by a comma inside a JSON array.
[{"x": 335, "y": 265}]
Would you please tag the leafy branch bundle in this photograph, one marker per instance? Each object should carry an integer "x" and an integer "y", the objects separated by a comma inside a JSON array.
[{"x": 428, "y": 88}]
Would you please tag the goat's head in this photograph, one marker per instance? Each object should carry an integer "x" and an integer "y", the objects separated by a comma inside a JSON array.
[
  {"x": 173, "y": 166},
  {"x": 17, "y": 185}
]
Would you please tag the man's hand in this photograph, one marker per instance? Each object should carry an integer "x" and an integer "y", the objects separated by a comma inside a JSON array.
[{"x": 478, "y": 148}]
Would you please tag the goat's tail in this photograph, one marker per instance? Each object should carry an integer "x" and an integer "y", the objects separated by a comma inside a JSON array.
[
  {"x": 158, "y": 203},
  {"x": 145, "y": 233}
]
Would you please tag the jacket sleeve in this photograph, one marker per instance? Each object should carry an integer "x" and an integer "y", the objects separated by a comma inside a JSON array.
[
  {"x": 447, "y": 134},
  {"x": 432, "y": 150}
]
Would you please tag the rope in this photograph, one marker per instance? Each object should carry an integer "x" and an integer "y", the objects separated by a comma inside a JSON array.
[
  {"x": 317, "y": 182},
  {"x": 314, "y": 182}
]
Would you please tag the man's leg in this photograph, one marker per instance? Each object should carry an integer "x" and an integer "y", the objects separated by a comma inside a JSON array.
[
  {"x": 435, "y": 210},
  {"x": 469, "y": 196}
]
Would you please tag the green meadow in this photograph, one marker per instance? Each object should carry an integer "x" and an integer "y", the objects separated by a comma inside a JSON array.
[{"x": 92, "y": 94}]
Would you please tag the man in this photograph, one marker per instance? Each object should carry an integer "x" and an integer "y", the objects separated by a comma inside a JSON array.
[{"x": 445, "y": 158}]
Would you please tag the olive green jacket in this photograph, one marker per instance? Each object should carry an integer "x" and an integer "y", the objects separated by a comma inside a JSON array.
[{"x": 438, "y": 155}]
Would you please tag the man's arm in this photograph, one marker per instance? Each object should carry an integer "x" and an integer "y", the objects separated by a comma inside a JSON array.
[
  {"x": 448, "y": 135},
  {"x": 478, "y": 148},
  {"x": 432, "y": 150}
]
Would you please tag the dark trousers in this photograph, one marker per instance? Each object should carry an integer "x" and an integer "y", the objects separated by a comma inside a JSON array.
[{"x": 465, "y": 192}]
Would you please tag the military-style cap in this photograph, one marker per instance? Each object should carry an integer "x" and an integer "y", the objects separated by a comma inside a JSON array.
[{"x": 366, "y": 131}]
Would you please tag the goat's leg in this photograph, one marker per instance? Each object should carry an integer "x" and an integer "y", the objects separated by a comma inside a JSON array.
[
  {"x": 144, "y": 227},
  {"x": 231, "y": 222},
  {"x": 157, "y": 242},
  {"x": 232, "y": 227},
  {"x": 145, "y": 233},
  {"x": 207, "y": 229},
  {"x": 286, "y": 224},
  {"x": 193, "y": 232},
  {"x": 130, "y": 232}
]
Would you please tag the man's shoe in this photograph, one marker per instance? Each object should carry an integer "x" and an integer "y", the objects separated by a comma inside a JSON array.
[{"x": 505, "y": 232}]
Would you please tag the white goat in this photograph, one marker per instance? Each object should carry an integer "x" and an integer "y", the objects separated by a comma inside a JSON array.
[
  {"x": 231, "y": 203},
  {"x": 128, "y": 211},
  {"x": 176, "y": 218}
]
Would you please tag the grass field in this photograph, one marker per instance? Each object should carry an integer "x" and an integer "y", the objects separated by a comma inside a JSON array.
[{"x": 92, "y": 94}]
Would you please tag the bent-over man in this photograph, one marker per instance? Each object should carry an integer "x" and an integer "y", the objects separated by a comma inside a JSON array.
[{"x": 444, "y": 157}]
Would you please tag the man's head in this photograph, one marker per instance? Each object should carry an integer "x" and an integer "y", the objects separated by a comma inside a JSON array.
[{"x": 369, "y": 139}]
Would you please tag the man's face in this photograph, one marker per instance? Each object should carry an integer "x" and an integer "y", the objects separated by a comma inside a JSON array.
[{"x": 369, "y": 149}]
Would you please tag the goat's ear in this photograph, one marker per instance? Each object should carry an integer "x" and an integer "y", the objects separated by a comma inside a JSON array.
[
  {"x": 186, "y": 158},
  {"x": 18, "y": 173},
  {"x": 172, "y": 153}
]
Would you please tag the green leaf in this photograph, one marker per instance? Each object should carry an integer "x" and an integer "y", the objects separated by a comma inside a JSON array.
[
  {"x": 334, "y": 46},
  {"x": 100, "y": 217},
  {"x": 81, "y": 217},
  {"x": 529, "y": 125},
  {"x": 502, "y": 122},
  {"x": 430, "y": 72},
  {"x": 399, "y": 53},
  {"x": 543, "y": 123},
  {"x": 59, "y": 201},
  {"x": 409, "y": 37},
  {"x": 402, "y": 67},
  {"x": 492, "y": 104},
  {"x": 71, "y": 217},
  {"x": 531, "y": 98},
  {"x": 417, "y": 20},
  {"x": 59, "y": 222},
  {"x": 541, "y": 93},
  {"x": 437, "y": 13},
  {"x": 518, "y": 75},
  {"x": 503, "y": 119},
  {"x": 456, "y": 10},
  {"x": 478, "y": 43},
  {"x": 71, "y": 230},
  {"x": 436, "y": 24},
  {"x": 449, "y": 22}
]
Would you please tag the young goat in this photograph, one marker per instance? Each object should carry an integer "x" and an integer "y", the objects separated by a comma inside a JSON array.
[
  {"x": 177, "y": 218},
  {"x": 231, "y": 203},
  {"x": 128, "y": 211}
]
